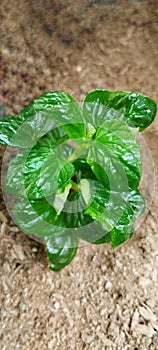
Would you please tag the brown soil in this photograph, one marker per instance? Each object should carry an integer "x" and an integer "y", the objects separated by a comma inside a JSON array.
[{"x": 104, "y": 299}]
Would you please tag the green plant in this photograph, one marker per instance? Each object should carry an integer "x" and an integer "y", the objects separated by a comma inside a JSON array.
[{"x": 78, "y": 169}]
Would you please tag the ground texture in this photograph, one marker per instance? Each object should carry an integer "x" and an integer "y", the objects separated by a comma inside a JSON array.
[{"x": 104, "y": 299}]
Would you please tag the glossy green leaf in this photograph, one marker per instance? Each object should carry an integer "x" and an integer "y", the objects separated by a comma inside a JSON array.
[
  {"x": 99, "y": 173},
  {"x": 43, "y": 114},
  {"x": 24, "y": 133},
  {"x": 107, "y": 167},
  {"x": 121, "y": 142},
  {"x": 83, "y": 170},
  {"x": 37, "y": 218},
  {"x": 63, "y": 110},
  {"x": 106, "y": 207},
  {"x": 27, "y": 112},
  {"x": 116, "y": 214},
  {"x": 8, "y": 129},
  {"x": 136, "y": 109},
  {"x": 25, "y": 168},
  {"x": 55, "y": 98},
  {"x": 61, "y": 249},
  {"x": 33, "y": 129},
  {"x": 14, "y": 180},
  {"x": 136, "y": 201},
  {"x": 121, "y": 233},
  {"x": 73, "y": 212},
  {"x": 52, "y": 138},
  {"x": 39, "y": 128},
  {"x": 118, "y": 132},
  {"x": 46, "y": 171}
]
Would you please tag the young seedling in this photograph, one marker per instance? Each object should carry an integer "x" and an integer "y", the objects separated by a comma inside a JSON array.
[{"x": 78, "y": 169}]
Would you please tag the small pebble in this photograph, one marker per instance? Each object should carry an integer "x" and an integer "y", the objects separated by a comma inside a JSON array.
[
  {"x": 34, "y": 250},
  {"x": 3, "y": 218},
  {"x": 108, "y": 285},
  {"x": 78, "y": 69},
  {"x": 3, "y": 229},
  {"x": 57, "y": 305},
  {"x": 83, "y": 300},
  {"x": 13, "y": 228}
]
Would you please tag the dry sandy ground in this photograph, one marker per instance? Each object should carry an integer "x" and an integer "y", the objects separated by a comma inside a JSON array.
[{"x": 104, "y": 299}]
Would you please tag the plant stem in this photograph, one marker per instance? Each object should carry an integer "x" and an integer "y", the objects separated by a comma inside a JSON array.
[
  {"x": 78, "y": 152},
  {"x": 75, "y": 186}
]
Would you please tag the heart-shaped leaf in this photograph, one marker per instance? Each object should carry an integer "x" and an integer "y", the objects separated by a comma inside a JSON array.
[
  {"x": 136, "y": 109},
  {"x": 37, "y": 218},
  {"x": 61, "y": 249},
  {"x": 120, "y": 143}
]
